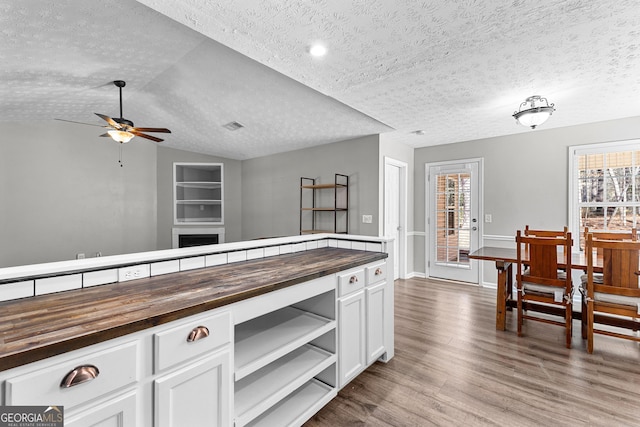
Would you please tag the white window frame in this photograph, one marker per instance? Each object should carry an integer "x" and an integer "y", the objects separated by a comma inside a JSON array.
[{"x": 580, "y": 150}]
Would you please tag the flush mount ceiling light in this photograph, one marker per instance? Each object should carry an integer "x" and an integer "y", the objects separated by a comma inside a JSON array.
[
  {"x": 317, "y": 50},
  {"x": 534, "y": 111}
]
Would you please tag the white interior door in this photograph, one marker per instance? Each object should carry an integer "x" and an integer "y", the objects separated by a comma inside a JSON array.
[
  {"x": 394, "y": 212},
  {"x": 453, "y": 221}
]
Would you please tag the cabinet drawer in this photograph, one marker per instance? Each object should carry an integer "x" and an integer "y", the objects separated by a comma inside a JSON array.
[
  {"x": 376, "y": 273},
  {"x": 350, "y": 282},
  {"x": 174, "y": 345},
  {"x": 115, "y": 367}
]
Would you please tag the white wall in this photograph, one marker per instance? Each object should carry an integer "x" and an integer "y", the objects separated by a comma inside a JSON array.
[{"x": 525, "y": 177}]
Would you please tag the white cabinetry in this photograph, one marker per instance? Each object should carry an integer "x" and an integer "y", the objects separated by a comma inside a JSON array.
[
  {"x": 118, "y": 412},
  {"x": 362, "y": 319},
  {"x": 93, "y": 385},
  {"x": 196, "y": 395},
  {"x": 376, "y": 297},
  {"x": 285, "y": 363},
  {"x": 194, "y": 362},
  {"x": 351, "y": 312},
  {"x": 176, "y": 374},
  {"x": 198, "y": 193}
]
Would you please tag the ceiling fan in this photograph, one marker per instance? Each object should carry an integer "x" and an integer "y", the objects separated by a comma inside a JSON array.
[{"x": 120, "y": 129}]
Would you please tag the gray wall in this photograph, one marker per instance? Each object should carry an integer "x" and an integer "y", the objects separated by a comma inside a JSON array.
[
  {"x": 232, "y": 188},
  {"x": 271, "y": 186},
  {"x": 525, "y": 175},
  {"x": 64, "y": 193}
]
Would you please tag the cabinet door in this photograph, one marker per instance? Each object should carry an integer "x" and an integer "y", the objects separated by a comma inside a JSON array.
[
  {"x": 196, "y": 395},
  {"x": 375, "y": 297},
  {"x": 118, "y": 412},
  {"x": 351, "y": 332}
]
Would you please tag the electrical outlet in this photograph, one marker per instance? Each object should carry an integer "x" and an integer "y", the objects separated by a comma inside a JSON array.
[
  {"x": 80, "y": 255},
  {"x": 133, "y": 272},
  {"x": 367, "y": 219}
]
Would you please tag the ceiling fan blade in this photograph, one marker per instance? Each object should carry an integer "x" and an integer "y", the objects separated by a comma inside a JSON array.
[
  {"x": 142, "y": 135},
  {"x": 162, "y": 130},
  {"x": 81, "y": 123},
  {"x": 109, "y": 120}
]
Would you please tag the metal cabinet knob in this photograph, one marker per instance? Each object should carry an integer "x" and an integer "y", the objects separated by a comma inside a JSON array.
[
  {"x": 198, "y": 333},
  {"x": 353, "y": 279},
  {"x": 80, "y": 375},
  {"x": 378, "y": 272}
]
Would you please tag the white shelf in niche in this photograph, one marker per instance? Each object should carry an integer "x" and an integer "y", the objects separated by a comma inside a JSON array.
[
  {"x": 264, "y": 339},
  {"x": 200, "y": 184},
  {"x": 264, "y": 388},
  {"x": 298, "y": 407},
  {"x": 198, "y": 193}
]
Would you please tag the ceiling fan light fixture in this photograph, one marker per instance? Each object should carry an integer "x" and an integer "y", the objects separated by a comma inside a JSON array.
[
  {"x": 534, "y": 111},
  {"x": 120, "y": 136}
]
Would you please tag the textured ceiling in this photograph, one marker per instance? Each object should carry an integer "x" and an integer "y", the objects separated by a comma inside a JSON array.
[{"x": 455, "y": 69}]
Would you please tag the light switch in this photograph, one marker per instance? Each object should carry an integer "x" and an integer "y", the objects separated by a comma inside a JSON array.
[
  {"x": 367, "y": 219},
  {"x": 487, "y": 218}
]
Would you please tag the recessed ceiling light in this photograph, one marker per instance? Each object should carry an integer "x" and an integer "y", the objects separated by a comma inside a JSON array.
[{"x": 318, "y": 50}]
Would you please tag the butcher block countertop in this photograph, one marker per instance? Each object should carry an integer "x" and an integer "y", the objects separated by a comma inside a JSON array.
[{"x": 35, "y": 328}]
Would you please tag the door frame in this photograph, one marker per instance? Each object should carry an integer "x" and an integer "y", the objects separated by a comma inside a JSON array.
[
  {"x": 427, "y": 210},
  {"x": 402, "y": 191}
]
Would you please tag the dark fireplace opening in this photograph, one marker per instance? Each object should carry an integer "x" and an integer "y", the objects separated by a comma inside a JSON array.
[{"x": 187, "y": 240}]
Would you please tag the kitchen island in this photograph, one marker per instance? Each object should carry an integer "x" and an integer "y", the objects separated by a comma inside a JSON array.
[{"x": 252, "y": 342}]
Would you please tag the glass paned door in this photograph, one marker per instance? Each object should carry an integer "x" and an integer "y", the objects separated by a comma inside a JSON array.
[{"x": 453, "y": 220}]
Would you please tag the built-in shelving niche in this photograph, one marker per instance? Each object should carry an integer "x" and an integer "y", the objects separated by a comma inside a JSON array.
[{"x": 285, "y": 363}]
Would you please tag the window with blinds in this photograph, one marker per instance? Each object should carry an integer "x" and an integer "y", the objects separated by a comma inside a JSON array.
[{"x": 606, "y": 190}]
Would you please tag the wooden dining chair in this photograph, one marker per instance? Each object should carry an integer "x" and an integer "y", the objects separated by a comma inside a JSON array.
[
  {"x": 615, "y": 301},
  {"x": 631, "y": 235},
  {"x": 545, "y": 233},
  {"x": 611, "y": 235},
  {"x": 541, "y": 286}
]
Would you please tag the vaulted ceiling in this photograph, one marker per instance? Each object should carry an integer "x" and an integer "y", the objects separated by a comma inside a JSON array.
[{"x": 456, "y": 70}]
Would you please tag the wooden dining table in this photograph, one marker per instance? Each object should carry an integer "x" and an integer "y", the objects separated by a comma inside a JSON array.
[{"x": 504, "y": 258}]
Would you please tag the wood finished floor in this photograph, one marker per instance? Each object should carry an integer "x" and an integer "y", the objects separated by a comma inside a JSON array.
[{"x": 452, "y": 368}]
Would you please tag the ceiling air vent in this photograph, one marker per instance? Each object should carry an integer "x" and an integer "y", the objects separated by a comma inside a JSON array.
[{"x": 233, "y": 126}]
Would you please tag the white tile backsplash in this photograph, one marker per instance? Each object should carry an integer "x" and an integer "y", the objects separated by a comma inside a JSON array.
[
  {"x": 359, "y": 246},
  {"x": 344, "y": 244},
  {"x": 50, "y": 285},
  {"x": 165, "y": 267},
  {"x": 237, "y": 256},
  {"x": 47, "y": 285},
  {"x": 374, "y": 247},
  {"x": 271, "y": 251},
  {"x": 255, "y": 253},
  {"x": 286, "y": 249},
  {"x": 215, "y": 259},
  {"x": 101, "y": 277},
  {"x": 16, "y": 290},
  {"x": 191, "y": 263},
  {"x": 298, "y": 247}
]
